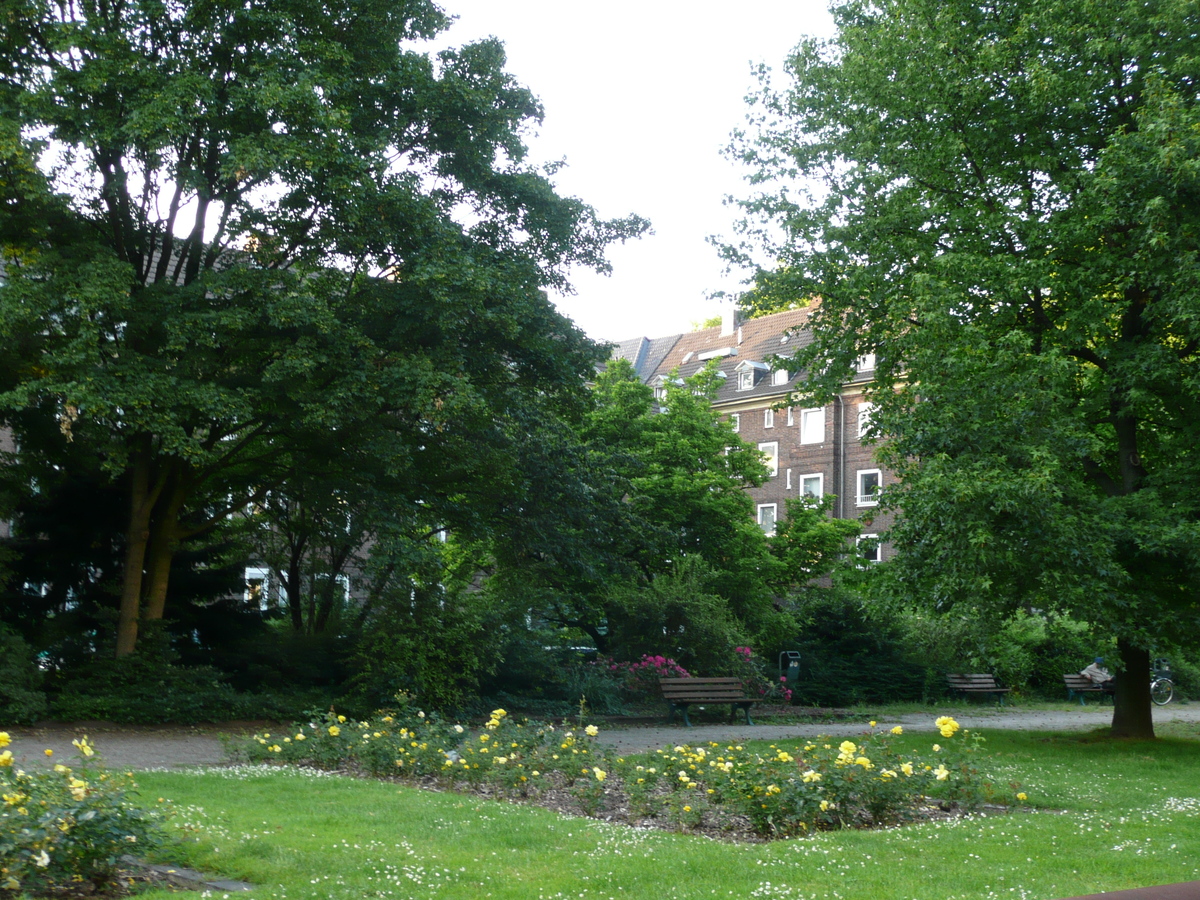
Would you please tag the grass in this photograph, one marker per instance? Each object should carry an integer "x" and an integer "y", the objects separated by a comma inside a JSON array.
[{"x": 1104, "y": 816}]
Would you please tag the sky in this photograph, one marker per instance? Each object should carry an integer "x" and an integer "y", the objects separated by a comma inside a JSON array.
[{"x": 640, "y": 98}]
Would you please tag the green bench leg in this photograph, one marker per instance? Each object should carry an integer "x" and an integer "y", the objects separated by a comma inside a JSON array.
[
  {"x": 745, "y": 707},
  {"x": 682, "y": 707}
]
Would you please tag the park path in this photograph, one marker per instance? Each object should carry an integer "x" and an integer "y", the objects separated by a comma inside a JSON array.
[{"x": 151, "y": 747}]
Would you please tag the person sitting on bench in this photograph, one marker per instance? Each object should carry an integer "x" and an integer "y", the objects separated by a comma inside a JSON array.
[{"x": 1097, "y": 674}]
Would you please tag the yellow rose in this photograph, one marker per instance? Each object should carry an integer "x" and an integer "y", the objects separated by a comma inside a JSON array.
[
  {"x": 898, "y": 730},
  {"x": 5, "y": 740},
  {"x": 334, "y": 731}
]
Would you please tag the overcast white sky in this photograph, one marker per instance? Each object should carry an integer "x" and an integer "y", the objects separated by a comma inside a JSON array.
[{"x": 640, "y": 97}]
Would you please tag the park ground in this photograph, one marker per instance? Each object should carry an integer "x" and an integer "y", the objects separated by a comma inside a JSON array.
[{"x": 150, "y": 747}]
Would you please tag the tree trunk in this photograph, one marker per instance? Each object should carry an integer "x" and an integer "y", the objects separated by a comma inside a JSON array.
[
  {"x": 294, "y": 582},
  {"x": 164, "y": 541},
  {"x": 1132, "y": 708},
  {"x": 141, "y": 503}
]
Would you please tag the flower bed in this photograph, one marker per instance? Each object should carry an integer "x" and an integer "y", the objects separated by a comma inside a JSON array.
[
  {"x": 717, "y": 788},
  {"x": 67, "y": 826}
]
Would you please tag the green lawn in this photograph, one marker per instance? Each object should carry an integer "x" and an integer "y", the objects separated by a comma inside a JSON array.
[{"x": 1104, "y": 816}]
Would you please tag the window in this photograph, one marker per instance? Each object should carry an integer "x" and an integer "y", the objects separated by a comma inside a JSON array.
[
  {"x": 812, "y": 485},
  {"x": 736, "y": 421},
  {"x": 865, "y": 363},
  {"x": 812, "y": 426},
  {"x": 258, "y": 586},
  {"x": 766, "y": 518},
  {"x": 791, "y": 418},
  {"x": 660, "y": 392},
  {"x": 770, "y": 454},
  {"x": 865, "y": 411},
  {"x": 869, "y": 482},
  {"x": 769, "y": 419},
  {"x": 789, "y": 479},
  {"x": 779, "y": 376},
  {"x": 746, "y": 380},
  {"x": 868, "y": 547}
]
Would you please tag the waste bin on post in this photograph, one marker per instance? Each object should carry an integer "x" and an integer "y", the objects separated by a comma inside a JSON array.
[{"x": 789, "y": 666}]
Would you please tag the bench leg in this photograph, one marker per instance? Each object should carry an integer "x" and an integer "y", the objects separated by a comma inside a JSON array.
[
  {"x": 744, "y": 707},
  {"x": 682, "y": 707}
]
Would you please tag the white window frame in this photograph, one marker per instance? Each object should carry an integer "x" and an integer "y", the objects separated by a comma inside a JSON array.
[
  {"x": 262, "y": 576},
  {"x": 770, "y": 450},
  {"x": 878, "y": 548},
  {"x": 865, "y": 411},
  {"x": 865, "y": 363},
  {"x": 774, "y": 508},
  {"x": 735, "y": 419},
  {"x": 746, "y": 380},
  {"x": 768, "y": 418},
  {"x": 807, "y": 427},
  {"x": 867, "y": 499},
  {"x": 820, "y": 476},
  {"x": 780, "y": 377},
  {"x": 788, "y": 486},
  {"x": 791, "y": 419}
]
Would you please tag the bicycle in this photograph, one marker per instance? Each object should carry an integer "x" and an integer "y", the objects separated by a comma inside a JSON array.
[{"x": 1162, "y": 688}]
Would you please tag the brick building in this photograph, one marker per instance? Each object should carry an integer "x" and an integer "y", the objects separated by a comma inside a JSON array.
[{"x": 816, "y": 451}]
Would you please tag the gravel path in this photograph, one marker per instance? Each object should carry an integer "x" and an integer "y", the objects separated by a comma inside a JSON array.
[{"x": 148, "y": 747}]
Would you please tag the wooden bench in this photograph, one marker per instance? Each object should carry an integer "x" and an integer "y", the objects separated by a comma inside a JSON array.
[
  {"x": 680, "y": 693},
  {"x": 977, "y": 684},
  {"x": 1079, "y": 684}
]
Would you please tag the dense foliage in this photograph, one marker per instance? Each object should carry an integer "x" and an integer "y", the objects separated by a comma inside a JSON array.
[
  {"x": 999, "y": 202},
  {"x": 244, "y": 244}
]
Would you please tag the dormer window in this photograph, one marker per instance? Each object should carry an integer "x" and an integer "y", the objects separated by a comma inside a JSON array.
[
  {"x": 749, "y": 374},
  {"x": 660, "y": 387},
  {"x": 780, "y": 377}
]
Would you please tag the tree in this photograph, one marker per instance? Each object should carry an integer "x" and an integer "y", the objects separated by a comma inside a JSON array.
[
  {"x": 999, "y": 201},
  {"x": 647, "y": 528},
  {"x": 260, "y": 235}
]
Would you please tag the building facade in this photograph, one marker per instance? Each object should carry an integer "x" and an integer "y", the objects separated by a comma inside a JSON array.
[{"x": 817, "y": 451}]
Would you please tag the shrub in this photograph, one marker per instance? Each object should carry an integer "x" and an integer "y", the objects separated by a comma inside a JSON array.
[
  {"x": 852, "y": 654},
  {"x": 21, "y": 698},
  {"x": 64, "y": 826},
  {"x": 757, "y": 683},
  {"x": 676, "y": 614}
]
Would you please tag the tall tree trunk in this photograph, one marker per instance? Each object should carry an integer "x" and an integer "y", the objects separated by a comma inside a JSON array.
[
  {"x": 142, "y": 496},
  {"x": 164, "y": 541},
  {"x": 1132, "y": 708}
]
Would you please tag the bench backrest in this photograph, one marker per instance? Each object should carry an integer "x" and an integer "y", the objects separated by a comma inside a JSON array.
[
  {"x": 1076, "y": 682},
  {"x": 714, "y": 690},
  {"x": 972, "y": 681}
]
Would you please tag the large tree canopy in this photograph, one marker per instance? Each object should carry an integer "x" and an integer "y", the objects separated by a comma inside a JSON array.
[
  {"x": 1000, "y": 200},
  {"x": 245, "y": 237}
]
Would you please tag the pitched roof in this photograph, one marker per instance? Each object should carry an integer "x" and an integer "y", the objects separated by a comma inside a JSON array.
[
  {"x": 644, "y": 354},
  {"x": 754, "y": 341}
]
